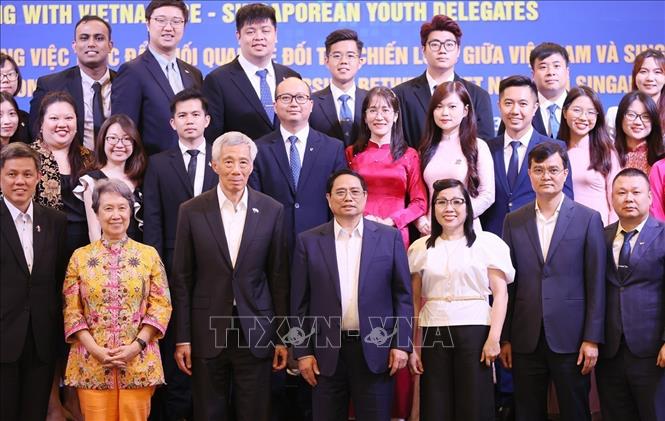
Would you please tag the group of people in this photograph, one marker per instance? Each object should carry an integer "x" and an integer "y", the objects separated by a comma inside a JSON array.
[{"x": 237, "y": 247}]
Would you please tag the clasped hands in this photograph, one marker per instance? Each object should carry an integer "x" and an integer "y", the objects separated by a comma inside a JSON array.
[{"x": 115, "y": 357}]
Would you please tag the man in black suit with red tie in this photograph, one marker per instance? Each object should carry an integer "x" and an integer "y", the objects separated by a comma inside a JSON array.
[{"x": 31, "y": 274}]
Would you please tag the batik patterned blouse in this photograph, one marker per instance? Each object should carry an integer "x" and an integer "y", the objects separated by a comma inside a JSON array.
[{"x": 112, "y": 289}]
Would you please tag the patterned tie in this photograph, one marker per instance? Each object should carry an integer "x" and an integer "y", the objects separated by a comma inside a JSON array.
[
  {"x": 172, "y": 75},
  {"x": 512, "y": 165},
  {"x": 554, "y": 123},
  {"x": 345, "y": 118},
  {"x": 97, "y": 108},
  {"x": 266, "y": 97},
  {"x": 624, "y": 254},
  {"x": 294, "y": 160},
  {"x": 191, "y": 167}
]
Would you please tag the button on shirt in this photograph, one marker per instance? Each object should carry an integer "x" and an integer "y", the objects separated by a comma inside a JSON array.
[
  {"x": 546, "y": 227},
  {"x": 348, "y": 247},
  {"x": 173, "y": 66},
  {"x": 618, "y": 240},
  {"x": 433, "y": 83},
  {"x": 200, "y": 164},
  {"x": 233, "y": 219},
  {"x": 88, "y": 94},
  {"x": 301, "y": 144},
  {"x": 521, "y": 150},
  {"x": 336, "y": 93},
  {"x": 250, "y": 70},
  {"x": 24, "y": 228},
  {"x": 544, "y": 103}
]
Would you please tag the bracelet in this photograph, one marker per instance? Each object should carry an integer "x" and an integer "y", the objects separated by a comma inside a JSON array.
[{"x": 141, "y": 343}]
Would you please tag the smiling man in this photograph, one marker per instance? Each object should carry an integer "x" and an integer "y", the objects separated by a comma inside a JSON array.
[{"x": 89, "y": 83}]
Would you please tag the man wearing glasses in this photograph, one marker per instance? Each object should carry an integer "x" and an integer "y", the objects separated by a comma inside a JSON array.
[
  {"x": 337, "y": 108},
  {"x": 440, "y": 40},
  {"x": 146, "y": 85}
]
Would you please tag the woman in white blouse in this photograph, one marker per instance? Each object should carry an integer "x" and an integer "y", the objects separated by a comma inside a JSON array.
[{"x": 454, "y": 271}]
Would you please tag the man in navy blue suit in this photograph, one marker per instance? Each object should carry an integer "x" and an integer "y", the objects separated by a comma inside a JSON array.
[
  {"x": 351, "y": 291},
  {"x": 338, "y": 107},
  {"x": 146, "y": 85},
  {"x": 631, "y": 369},
  {"x": 556, "y": 310},
  {"x": 295, "y": 161},
  {"x": 241, "y": 93}
]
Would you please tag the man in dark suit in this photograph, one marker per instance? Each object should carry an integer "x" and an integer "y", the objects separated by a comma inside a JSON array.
[
  {"x": 338, "y": 107},
  {"x": 631, "y": 368},
  {"x": 518, "y": 102},
  {"x": 294, "y": 162},
  {"x": 173, "y": 177},
  {"x": 351, "y": 295},
  {"x": 89, "y": 83},
  {"x": 241, "y": 93},
  {"x": 146, "y": 85},
  {"x": 556, "y": 310},
  {"x": 440, "y": 40},
  {"x": 31, "y": 274},
  {"x": 230, "y": 267}
]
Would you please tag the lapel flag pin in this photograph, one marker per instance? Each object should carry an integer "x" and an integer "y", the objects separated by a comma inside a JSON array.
[
  {"x": 39, "y": 229},
  {"x": 311, "y": 149},
  {"x": 254, "y": 210}
]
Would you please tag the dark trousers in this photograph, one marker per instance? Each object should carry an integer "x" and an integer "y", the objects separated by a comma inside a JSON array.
[
  {"x": 235, "y": 367},
  {"x": 630, "y": 387},
  {"x": 25, "y": 384},
  {"x": 455, "y": 384},
  {"x": 371, "y": 393},
  {"x": 532, "y": 373}
]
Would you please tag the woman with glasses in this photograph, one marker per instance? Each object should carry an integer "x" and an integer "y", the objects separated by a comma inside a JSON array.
[
  {"x": 119, "y": 155},
  {"x": 450, "y": 149},
  {"x": 395, "y": 189},
  {"x": 454, "y": 270},
  {"x": 593, "y": 160},
  {"x": 639, "y": 139},
  {"x": 11, "y": 82}
]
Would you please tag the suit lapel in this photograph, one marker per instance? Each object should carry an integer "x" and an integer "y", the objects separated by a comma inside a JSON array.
[
  {"x": 613, "y": 273},
  {"x": 328, "y": 251},
  {"x": 311, "y": 155},
  {"x": 178, "y": 164},
  {"x": 328, "y": 107},
  {"x": 423, "y": 92},
  {"x": 500, "y": 165},
  {"x": 538, "y": 123},
  {"x": 358, "y": 112},
  {"x": 209, "y": 176},
  {"x": 562, "y": 222},
  {"x": 214, "y": 217},
  {"x": 240, "y": 79},
  {"x": 278, "y": 149},
  {"x": 523, "y": 174},
  {"x": 369, "y": 246},
  {"x": 75, "y": 88},
  {"x": 157, "y": 73},
  {"x": 532, "y": 232},
  {"x": 185, "y": 75},
  {"x": 11, "y": 235},
  {"x": 644, "y": 239},
  {"x": 251, "y": 222},
  {"x": 39, "y": 230}
]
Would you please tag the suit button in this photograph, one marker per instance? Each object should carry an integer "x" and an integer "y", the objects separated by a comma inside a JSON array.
[
  {"x": 297, "y": 206},
  {"x": 510, "y": 204}
]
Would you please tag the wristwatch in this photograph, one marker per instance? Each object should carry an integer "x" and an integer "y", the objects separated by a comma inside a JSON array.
[{"x": 141, "y": 342}]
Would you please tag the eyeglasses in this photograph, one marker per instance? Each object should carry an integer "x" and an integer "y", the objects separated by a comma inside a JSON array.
[
  {"x": 286, "y": 99},
  {"x": 455, "y": 202},
  {"x": 552, "y": 171},
  {"x": 449, "y": 45},
  {"x": 10, "y": 76},
  {"x": 113, "y": 140},
  {"x": 338, "y": 56},
  {"x": 162, "y": 21},
  {"x": 340, "y": 194},
  {"x": 373, "y": 112},
  {"x": 632, "y": 116},
  {"x": 577, "y": 112}
]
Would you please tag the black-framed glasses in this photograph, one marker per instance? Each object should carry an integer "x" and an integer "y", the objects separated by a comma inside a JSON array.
[
  {"x": 448, "y": 45},
  {"x": 552, "y": 171},
  {"x": 455, "y": 202},
  {"x": 632, "y": 116},
  {"x": 10, "y": 76},
  {"x": 286, "y": 99},
  {"x": 114, "y": 140}
]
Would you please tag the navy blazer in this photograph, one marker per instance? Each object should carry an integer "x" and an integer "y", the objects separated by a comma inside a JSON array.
[
  {"x": 506, "y": 201},
  {"x": 385, "y": 306},
  {"x": 233, "y": 104},
  {"x": 324, "y": 114},
  {"x": 414, "y": 97},
  {"x": 67, "y": 80},
  {"x": 143, "y": 92},
  {"x": 636, "y": 304},
  {"x": 564, "y": 293},
  {"x": 165, "y": 186},
  {"x": 305, "y": 206}
]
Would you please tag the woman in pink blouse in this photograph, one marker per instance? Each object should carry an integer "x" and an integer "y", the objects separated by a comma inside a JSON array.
[
  {"x": 657, "y": 181},
  {"x": 593, "y": 160},
  {"x": 395, "y": 190},
  {"x": 638, "y": 141},
  {"x": 450, "y": 149}
]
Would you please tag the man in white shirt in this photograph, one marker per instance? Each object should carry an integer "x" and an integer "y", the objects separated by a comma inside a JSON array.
[{"x": 351, "y": 293}]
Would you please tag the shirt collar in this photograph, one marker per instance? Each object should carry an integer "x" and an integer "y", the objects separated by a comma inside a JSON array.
[
  {"x": 224, "y": 201},
  {"x": 301, "y": 134},
  {"x": 544, "y": 102},
  {"x": 15, "y": 212},
  {"x": 638, "y": 228},
  {"x": 251, "y": 68},
  {"x": 85, "y": 78},
  {"x": 357, "y": 231},
  {"x": 524, "y": 140},
  {"x": 336, "y": 92},
  {"x": 201, "y": 148},
  {"x": 432, "y": 82},
  {"x": 558, "y": 208},
  {"x": 163, "y": 61}
]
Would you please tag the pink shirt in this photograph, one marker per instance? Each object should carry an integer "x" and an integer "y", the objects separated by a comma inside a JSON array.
[{"x": 657, "y": 181}]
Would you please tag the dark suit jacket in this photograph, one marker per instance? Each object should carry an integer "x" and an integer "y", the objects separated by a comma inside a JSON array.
[
  {"x": 324, "y": 114},
  {"x": 143, "y": 92},
  {"x": 22, "y": 133},
  {"x": 32, "y": 296},
  {"x": 636, "y": 305},
  {"x": 166, "y": 185},
  {"x": 384, "y": 295},
  {"x": 305, "y": 206},
  {"x": 414, "y": 97},
  {"x": 205, "y": 283},
  {"x": 565, "y": 293},
  {"x": 233, "y": 103},
  {"x": 67, "y": 80},
  {"x": 505, "y": 201}
]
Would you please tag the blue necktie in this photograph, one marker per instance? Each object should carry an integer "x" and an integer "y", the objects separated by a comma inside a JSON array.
[
  {"x": 554, "y": 123},
  {"x": 624, "y": 254},
  {"x": 294, "y": 160},
  {"x": 266, "y": 97},
  {"x": 345, "y": 118},
  {"x": 513, "y": 165}
]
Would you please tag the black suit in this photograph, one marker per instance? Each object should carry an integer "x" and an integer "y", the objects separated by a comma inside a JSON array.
[
  {"x": 233, "y": 104},
  {"x": 324, "y": 115},
  {"x": 414, "y": 97},
  {"x": 22, "y": 133},
  {"x": 31, "y": 313},
  {"x": 206, "y": 284}
]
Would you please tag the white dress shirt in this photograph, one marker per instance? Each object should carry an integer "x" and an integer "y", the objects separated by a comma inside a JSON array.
[
  {"x": 301, "y": 144},
  {"x": 175, "y": 80},
  {"x": 521, "y": 150},
  {"x": 433, "y": 83},
  {"x": 544, "y": 103},
  {"x": 546, "y": 227},
  {"x": 88, "y": 94},
  {"x": 250, "y": 70},
  {"x": 23, "y": 223},
  {"x": 336, "y": 93},
  {"x": 618, "y": 240},
  {"x": 200, "y": 164},
  {"x": 233, "y": 219},
  {"x": 348, "y": 247}
]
